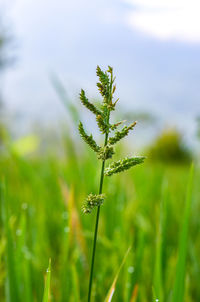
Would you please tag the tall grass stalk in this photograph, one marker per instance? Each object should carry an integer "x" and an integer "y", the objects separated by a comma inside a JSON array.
[
  {"x": 106, "y": 88},
  {"x": 96, "y": 225}
]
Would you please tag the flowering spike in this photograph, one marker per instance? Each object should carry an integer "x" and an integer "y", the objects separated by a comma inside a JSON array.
[
  {"x": 106, "y": 152},
  {"x": 106, "y": 88},
  {"x": 89, "y": 105},
  {"x": 103, "y": 84},
  {"x": 103, "y": 127},
  {"x": 114, "y": 126},
  {"x": 92, "y": 200},
  {"x": 121, "y": 134},
  {"x": 123, "y": 164},
  {"x": 88, "y": 139}
]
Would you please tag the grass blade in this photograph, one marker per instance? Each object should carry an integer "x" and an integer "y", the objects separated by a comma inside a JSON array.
[
  {"x": 178, "y": 292},
  {"x": 160, "y": 240},
  {"x": 134, "y": 294},
  {"x": 47, "y": 284},
  {"x": 61, "y": 91},
  {"x": 113, "y": 286},
  {"x": 12, "y": 290}
]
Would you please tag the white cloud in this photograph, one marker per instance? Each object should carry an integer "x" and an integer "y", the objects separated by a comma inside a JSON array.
[{"x": 167, "y": 19}]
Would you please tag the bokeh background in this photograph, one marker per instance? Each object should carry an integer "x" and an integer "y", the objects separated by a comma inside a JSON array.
[
  {"x": 153, "y": 47},
  {"x": 49, "y": 50}
]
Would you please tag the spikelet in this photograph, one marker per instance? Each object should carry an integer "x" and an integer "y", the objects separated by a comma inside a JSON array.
[
  {"x": 103, "y": 127},
  {"x": 92, "y": 200},
  {"x": 89, "y": 105},
  {"x": 123, "y": 164},
  {"x": 103, "y": 84},
  {"x": 114, "y": 126},
  {"x": 106, "y": 152},
  {"x": 121, "y": 134},
  {"x": 88, "y": 139}
]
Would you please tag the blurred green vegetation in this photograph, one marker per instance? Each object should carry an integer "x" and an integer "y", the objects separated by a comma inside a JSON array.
[
  {"x": 41, "y": 218},
  {"x": 168, "y": 147}
]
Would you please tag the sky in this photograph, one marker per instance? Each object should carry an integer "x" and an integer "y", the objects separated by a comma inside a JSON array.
[{"x": 153, "y": 46}]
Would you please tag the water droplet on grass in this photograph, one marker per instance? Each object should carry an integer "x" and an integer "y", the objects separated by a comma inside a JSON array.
[
  {"x": 24, "y": 206},
  {"x": 18, "y": 232},
  {"x": 66, "y": 229},
  {"x": 131, "y": 269}
]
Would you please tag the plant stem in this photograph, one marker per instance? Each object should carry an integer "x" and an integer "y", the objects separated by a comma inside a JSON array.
[
  {"x": 100, "y": 191},
  {"x": 96, "y": 225}
]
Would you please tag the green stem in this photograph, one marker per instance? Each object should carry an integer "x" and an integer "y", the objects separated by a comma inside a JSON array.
[
  {"x": 100, "y": 191},
  {"x": 96, "y": 225}
]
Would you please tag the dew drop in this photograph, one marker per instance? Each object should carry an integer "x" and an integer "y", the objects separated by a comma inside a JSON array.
[{"x": 131, "y": 269}]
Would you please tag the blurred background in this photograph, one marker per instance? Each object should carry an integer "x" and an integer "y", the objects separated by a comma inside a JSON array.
[
  {"x": 153, "y": 47},
  {"x": 49, "y": 50}
]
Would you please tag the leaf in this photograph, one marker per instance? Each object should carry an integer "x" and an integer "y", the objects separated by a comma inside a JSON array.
[
  {"x": 75, "y": 225},
  {"x": 161, "y": 235},
  {"x": 113, "y": 286},
  {"x": 12, "y": 289},
  {"x": 139, "y": 256},
  {"x": 179, "y": 285},
  {"x": 47, "y": 284},
  {"x": 134, "y": 294}
]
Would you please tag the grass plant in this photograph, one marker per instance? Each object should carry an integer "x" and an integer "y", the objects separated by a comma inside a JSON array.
[
  {"x": 106, "y": 88},
  {"x": 153, "y": 208}
]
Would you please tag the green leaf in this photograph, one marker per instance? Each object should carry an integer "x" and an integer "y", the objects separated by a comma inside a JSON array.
[
  {"x": 113, "y": 286},
  {"x": 12, "y": 289},
  {"x": 160, "y": 239},
  {"x": 179, "y": 285},
  {"x": 46, "y": 295}
]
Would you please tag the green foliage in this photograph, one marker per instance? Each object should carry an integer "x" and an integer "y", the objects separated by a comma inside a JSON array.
[
  {"x": 40, "y": 218},
  {"x": 106, "y": 88},
  {"x": 46, "y": 295},
  {"x": 179, "y": 285},
  {"x": 169, "y": 147},
  {"x": 43, "y": 199},
  {"x": 12, "y": 287}
]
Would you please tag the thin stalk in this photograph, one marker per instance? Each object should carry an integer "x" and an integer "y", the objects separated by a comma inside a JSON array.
[
  {"x": 97, "y": 223},
  {"x": 100, "y": 191}
]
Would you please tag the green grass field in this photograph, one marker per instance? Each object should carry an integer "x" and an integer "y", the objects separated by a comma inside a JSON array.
[{"x": 154, "y": 209}]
